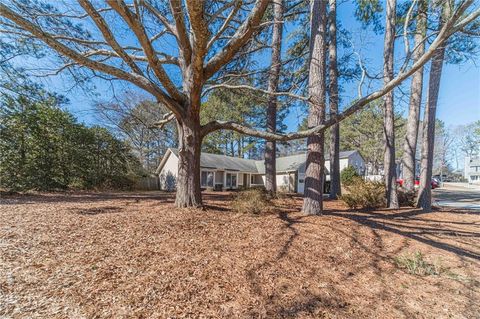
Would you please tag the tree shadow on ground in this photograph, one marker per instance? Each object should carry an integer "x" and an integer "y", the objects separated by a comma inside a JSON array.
[
  {"x": 411, "y": 224},
  {"x": 401, "y": 224},
  {"x": 86, "y": 197},
  {"x": 98, "y": 210}
]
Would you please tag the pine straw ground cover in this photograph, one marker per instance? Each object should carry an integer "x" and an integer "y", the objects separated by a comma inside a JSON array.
[{"x": 132, "y": 255}]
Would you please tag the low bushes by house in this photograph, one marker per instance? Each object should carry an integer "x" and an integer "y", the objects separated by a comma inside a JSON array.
[
  {"x": 251, "y": 201},
  {"x": 362, "y": 194},
  {"x": 348, "y": 175}
]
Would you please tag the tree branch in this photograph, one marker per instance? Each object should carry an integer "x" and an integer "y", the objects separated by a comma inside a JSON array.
[
  {"x": 132, "y": 20},
  {"x": 239, "y": 39},
  {"x": 251, "y": 88},
  {"x": 166, "y": 119},
  {"x": 107, "y": 35},
  {"x": 225, "y": 24},
  {"x": 439, "y": 41},
  {"x": 184, "y": 42},
  {"x": 49, "y": 40}
]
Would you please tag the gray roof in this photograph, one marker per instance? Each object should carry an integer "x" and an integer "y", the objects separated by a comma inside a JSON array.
[
  {"x": 294, "y": 162},
  {"x": 223, "y": 162},
  {"x": 284, "y": 164}
]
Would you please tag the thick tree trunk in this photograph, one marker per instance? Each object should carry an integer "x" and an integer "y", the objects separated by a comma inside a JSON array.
[
  {"x": 389, "y": 115},
  {"x": 270, "y": 146},
  {"x": 314, "y": 175},
  {"x": 410, "y": 143},
  {"x": 335, "y": 189},
  {"x": 424, "y": 197},
  {"x": 188, "y": 179}
]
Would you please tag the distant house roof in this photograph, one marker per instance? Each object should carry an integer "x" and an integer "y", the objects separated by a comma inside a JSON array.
[
  {"x": 223, "y": 162},
  {"x": 294, "y": 162}
]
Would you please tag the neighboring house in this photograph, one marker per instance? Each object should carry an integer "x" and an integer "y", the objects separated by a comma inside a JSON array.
[
  {"x": 222, "y": 172},
  {"x": 472, "y": 169}
]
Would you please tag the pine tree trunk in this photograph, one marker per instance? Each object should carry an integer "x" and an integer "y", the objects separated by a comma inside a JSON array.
[
  {"x": 188, "y": 179},
  {"x": 335, "y": 188},
  {"x": 389, "y": 115},
  {"x": 410, "y": 143},
  {"x": 270, "y": 146},
  {"x": 314, "y": 175},
  {"x": 424, "y": 197}
]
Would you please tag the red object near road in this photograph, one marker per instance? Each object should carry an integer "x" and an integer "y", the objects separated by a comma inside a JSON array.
[{"x": 433, "y": 183}]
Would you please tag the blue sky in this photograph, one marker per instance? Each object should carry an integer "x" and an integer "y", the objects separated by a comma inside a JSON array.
[{"x": 459, "y": 101}]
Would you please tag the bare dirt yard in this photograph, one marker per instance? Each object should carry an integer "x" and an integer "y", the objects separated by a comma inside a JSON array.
[{"x": 133, "y": 255}]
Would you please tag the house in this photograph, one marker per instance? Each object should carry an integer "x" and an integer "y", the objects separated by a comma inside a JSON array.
[
  {"x": 472, "y": 169},
  {"x": 221, "y": 172}
]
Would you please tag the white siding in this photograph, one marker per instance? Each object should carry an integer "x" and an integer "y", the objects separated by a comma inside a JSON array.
[
  {"x": 283, "y": 182},
  {"x": 168, "y": 174},
  {"x": 356, "y": 161},
  {"x": 240, "y": 179}
]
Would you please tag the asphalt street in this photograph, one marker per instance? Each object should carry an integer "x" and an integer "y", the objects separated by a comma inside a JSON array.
[{"x": 459, "y": 195}]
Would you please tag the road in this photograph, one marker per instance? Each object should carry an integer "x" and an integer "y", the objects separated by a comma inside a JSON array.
[{"x": 457, "y": 196}]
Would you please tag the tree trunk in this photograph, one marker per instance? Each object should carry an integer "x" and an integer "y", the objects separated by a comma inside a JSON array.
[
  {"x": 188, "y": 179},
  {"x": 270, "y": 146},
  {"x": 389, "y": 115},
  {"x": 410, "y": 143},
  {"x": 335, "y": 189},
  {"x": 314, "y": 175},
  {"x": 424, "y": 197}
]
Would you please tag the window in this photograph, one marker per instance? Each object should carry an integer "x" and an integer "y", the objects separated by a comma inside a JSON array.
[{"x": 206, "y": 179}]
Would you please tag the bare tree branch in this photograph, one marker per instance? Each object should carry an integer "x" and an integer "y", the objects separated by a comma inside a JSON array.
[
  {"x": 242, "y": 35},
  {"x": 181, "y": 31},
  {"x": 167, "y": 118},
  {"x": 136, "y": 79},
  {"x": 225, "y": 23},
  {"x": 251, "y": 88},
  {"x": 132, "y": 20},
  {"x": 107, "y": 34},
  {"x": 439, "y": 41}
]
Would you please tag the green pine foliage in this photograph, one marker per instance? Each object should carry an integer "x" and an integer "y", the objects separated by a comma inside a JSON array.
[
  {"x": 361, "y": 194},
  {"x": 43, "y": 147},
  {"x": 348, "y": 175}
]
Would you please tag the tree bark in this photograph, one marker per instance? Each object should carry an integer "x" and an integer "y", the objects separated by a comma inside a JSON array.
[
  {"x": 389, "y": 115},
  {"x": 270, "y": 146},
  {"x": 314, "y": 175},
  {"x": 410, "y": 143},
  {"x": 424, "y": 197},
  {"x": 188, "y": 178},
  {"x": 335, "y": 188}
]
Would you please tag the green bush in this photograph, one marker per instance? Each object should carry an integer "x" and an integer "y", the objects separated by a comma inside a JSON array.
[
  {"x": 348, "y": 175},
  {"x": 252, "y": 201},
  {"x": 364, "y": 194},
  {"x": 43, "y": 148}
]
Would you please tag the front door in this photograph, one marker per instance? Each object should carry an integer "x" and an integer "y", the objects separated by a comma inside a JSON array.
[{"x": 231, "y": 180}]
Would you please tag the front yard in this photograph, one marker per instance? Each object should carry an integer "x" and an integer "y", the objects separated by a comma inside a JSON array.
[{"x": 133, "y": 255}]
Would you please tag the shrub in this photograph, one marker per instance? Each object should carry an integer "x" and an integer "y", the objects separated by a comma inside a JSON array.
[
  {"x": 253, "y": 200},
  {"x": 348, "y": 175},
  {"x": 364, "y": 194},
  {"x": 406, "y": 198}
]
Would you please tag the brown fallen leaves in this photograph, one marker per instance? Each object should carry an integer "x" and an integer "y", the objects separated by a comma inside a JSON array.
[{"x": 133, "y": 255}]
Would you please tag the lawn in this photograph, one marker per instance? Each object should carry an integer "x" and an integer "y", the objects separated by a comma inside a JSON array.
[{"x": 133, "y": 255}]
